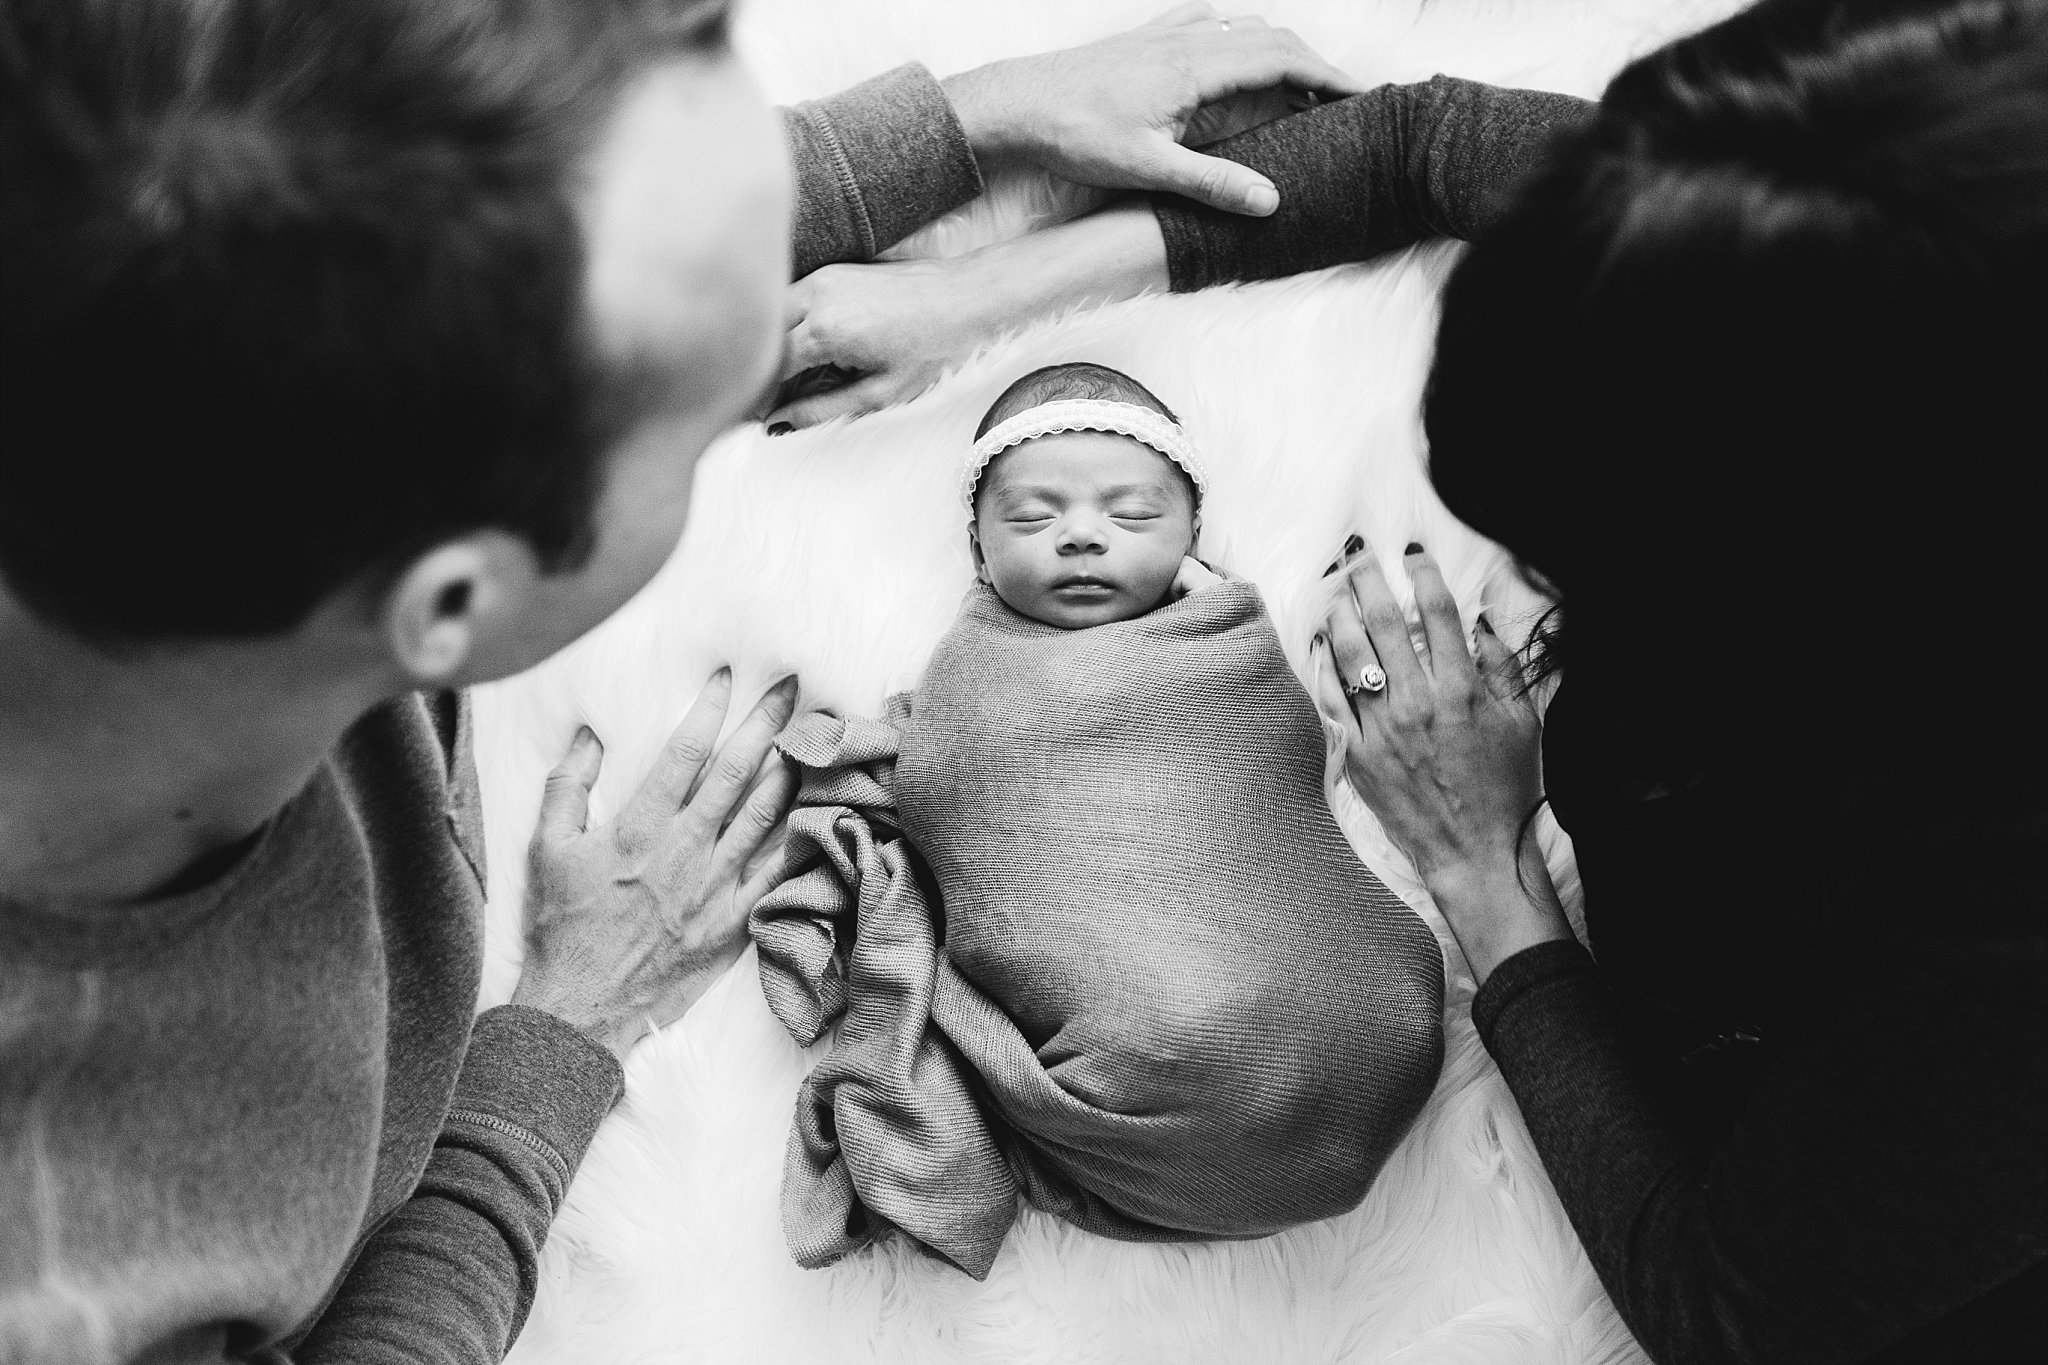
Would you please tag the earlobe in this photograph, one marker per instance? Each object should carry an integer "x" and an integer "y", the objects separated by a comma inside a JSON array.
[{"x": 431, "y": 614}]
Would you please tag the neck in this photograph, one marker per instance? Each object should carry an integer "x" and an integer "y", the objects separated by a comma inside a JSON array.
[{"x": 119, "y": 773}]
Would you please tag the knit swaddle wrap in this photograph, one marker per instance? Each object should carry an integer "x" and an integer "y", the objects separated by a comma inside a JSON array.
[{"x": 1155, "y": 992}]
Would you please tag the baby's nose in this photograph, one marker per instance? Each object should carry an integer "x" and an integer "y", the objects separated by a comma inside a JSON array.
[{"x": 1082, "y": 535}]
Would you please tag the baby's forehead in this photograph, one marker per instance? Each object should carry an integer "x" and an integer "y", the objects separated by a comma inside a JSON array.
[{"x": 1082, "y": 460}]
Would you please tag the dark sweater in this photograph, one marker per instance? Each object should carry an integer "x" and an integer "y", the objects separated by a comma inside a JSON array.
[{"x": 1799, "y": 1112}]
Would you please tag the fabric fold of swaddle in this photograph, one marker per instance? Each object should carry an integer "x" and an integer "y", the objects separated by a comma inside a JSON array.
[{"x": 1092, "y": 937}]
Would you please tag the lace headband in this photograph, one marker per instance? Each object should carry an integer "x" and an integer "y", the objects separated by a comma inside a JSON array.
[{"x": 1086, "y": 414}]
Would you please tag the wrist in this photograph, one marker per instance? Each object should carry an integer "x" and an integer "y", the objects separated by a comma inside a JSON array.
[
  {"x": 1498, "y": 906},
  {"x": 608, "y": 1028},
  {"x": 985, "y": 117}
]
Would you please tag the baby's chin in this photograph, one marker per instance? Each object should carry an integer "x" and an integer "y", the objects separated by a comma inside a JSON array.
[{"x": 1080, "y": 612}]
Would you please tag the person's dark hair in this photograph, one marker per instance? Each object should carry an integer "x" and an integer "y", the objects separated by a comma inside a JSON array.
[
  {"x": 1077, "y": 379},
  {"x": 1752, "y": 370},
  {"x": 293, "y": 289}
]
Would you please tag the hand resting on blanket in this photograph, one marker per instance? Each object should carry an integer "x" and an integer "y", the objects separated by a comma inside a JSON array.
[
  {"x": 630, "y": 922},
  {"x": 1444, "y": 747}
]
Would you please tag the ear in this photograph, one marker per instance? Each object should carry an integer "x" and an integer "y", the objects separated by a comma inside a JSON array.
[
  {"x": 1195, "y": 536},
  {"x": 433, "y": 613},
  {"x": 974, "y": 548}
]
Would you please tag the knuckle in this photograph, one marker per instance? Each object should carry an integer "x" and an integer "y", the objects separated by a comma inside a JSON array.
[
  {"x": 1383, "y": 616},
  {"x": 1408, "y": 712},
  {"x": 689, "y": 749},
  {"x": 734, "y": 767}
]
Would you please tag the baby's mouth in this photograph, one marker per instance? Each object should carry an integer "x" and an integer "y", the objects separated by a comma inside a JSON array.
[{"x": 1083, "y": 585}]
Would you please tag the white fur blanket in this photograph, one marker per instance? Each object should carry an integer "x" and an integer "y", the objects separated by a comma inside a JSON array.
[{"x": 839, "y": 553}]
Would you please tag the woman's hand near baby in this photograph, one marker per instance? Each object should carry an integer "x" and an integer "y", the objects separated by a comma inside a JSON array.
[{"x": 1446, "y": 750}]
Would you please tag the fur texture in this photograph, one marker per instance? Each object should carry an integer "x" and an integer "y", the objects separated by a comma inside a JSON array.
[{"x": 838, "y": 553}]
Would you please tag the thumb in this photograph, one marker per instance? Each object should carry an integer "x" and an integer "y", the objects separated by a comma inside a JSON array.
[
  {"x": 850, "y": 400},
  {"x": 1213, "y": 181},
  {"x": 565, "y": 801}
]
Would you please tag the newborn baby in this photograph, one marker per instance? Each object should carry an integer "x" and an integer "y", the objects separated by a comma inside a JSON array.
[
  {"x": 1077, "y": 904},
  {"x": 1083, "y": 498}
]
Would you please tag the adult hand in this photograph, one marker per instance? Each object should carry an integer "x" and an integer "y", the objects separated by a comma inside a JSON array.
[
  {"x": 630, "y": 922},
  {"x": 1445, "y": 749},
  {"x": 885, "y": 332},
  {"x": 1114, "y": 113}
]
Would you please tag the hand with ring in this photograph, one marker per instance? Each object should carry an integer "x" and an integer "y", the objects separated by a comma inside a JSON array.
[{"x": 1445, "y": 749}]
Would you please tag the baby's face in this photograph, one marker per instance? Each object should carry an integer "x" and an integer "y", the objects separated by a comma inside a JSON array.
[{"x": 1081, "y": 528}]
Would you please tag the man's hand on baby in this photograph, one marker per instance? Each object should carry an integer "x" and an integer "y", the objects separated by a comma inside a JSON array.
[
  {"x": 1114, "y": 113},
  {"x": 1194, "y": 576},
  {"x": 628, "y": 923}
]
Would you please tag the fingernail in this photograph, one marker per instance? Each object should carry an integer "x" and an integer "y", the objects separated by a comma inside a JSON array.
[
  {"x": 1414, "y": 548},
  {"x": 1335, "y": 564},
  {"x": 723, "y": 676},
  {"x": 1353, "y": 545},
  {"x": 787, "y": 685},
  {"x": 1262, "y": 199},
  {"x": 585, "y": 735},
  {"x": 1316, "y": 642},
  {"x": 780, "y": 428},
  {"x": 1485, "y": 624}
]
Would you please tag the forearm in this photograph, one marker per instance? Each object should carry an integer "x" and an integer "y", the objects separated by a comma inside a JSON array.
[
  {"x": 1368, "y": 175},
  {"x": 873, "y": 164},
  {"x": 1111, "y": 255},
  {"x": 1870, "y": 1186},
  {"x": 449, "y": 1277}
]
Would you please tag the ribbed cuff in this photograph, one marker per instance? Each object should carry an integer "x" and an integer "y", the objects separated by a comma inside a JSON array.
[
  {"x": 1527, "y": 971},
  {"x": 528, "y": 1071},
  {"x": 874, "y": 164}
]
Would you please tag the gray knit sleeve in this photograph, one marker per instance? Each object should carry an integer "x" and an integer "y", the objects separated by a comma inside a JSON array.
[
  {"x": 449, "y": 1277},
  {"x": 874, "y": 164},
  {"x": 1367, "y": 175}
]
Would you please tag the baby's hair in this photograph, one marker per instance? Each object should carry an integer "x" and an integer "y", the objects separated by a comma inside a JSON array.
[{"x": 1059, "y": 383}]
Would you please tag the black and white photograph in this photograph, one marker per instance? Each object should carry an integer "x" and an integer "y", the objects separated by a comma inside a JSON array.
[{"x": 1023, "y": 682}]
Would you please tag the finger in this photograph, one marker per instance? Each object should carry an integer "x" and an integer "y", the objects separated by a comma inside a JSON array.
[
  {"x": 854, "y": 400},
  {"x": 1351, "y": 652},
  {"x": 688, "y": 749},
  {"x": 1192, "y": 13},
  {"x": 755, "y": 822},
  {"x": 801, "y": 351},
  {"x": 1443, "y": 633},
  {"x": 565, "y": 800},
  {"x": 1255, "y": 58},
  {"x": 796, "y": 303},
  {"x": 729, "y": 775},
  {"x": 1326, "y": 687},
  {"x": 1209, "y": 180},
  {"x": 1384, "y": 624}
]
